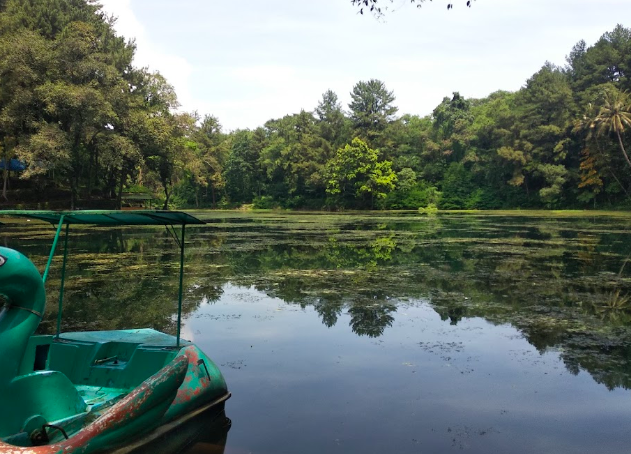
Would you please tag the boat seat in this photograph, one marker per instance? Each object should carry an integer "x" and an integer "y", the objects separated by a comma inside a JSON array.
[
  {"x": 47, "y": 393},
  {"x": 145, "y": 362},
  {"x": 109, "y": 363},
  {"x": 100, "y": 358}
]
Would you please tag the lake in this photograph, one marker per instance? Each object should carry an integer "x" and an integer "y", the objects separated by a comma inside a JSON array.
[{"x": 380, "y": 333}]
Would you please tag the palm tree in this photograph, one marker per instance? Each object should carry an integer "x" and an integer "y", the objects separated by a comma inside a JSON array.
[{"x": 613, "y": 117}]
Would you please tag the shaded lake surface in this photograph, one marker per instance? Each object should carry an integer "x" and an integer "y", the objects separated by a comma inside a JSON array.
[{"x": 373, "y": 333}]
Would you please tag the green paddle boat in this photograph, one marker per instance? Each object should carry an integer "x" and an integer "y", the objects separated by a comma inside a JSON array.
[{"x": 85, "y": 392}]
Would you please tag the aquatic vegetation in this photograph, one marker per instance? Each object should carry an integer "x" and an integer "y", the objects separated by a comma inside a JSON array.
[
  {"x": 559, "y": 278},
  {"x": 614, "y": 307},
  {"x": 430, "y": 209}
]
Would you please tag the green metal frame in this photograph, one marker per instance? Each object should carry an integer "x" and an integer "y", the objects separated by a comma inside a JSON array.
[
  {"x": 110, "y": 218},
  {"x": 52, "y": 249},
  {"x": 180, "y": 289},
  {"x": 63, "y": 281}
]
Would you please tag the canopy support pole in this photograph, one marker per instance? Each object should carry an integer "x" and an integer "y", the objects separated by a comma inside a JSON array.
[
  {"x": 63, "y": 281},
  {"x": 52, "y": 249},
  {"x": 179, "y": 301}
]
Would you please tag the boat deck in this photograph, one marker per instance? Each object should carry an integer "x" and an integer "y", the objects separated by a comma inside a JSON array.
[{"x": 144, "y": 337}]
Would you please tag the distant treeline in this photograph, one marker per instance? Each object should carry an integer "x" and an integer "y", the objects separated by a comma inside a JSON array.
[{"x": 90, "y": 126}]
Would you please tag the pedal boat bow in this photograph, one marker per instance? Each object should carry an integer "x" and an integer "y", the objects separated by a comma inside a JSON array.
[{"x": 86, "y": 392}]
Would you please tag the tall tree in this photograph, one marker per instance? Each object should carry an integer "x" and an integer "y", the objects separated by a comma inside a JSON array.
[
  {"x": 607, "y": 61},
  {"x": 295, "y": 157},
  {"x": 371, "y": 108},
  {"x": 331, "y": 119},
  {"x": 24, "y": 61},
  {"x": 76, "y": 102},
  {"x": 614, "y": 117},
  {"x": 242, "y": 172},
  {"x": 213, "y": 150},
  {"x": 357, "y": 173},
  {"x": 70, "y": 81},
  {"x": 545, "y": 110}
]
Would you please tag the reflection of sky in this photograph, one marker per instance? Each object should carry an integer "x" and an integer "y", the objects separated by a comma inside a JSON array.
[
  {"x": 187, "y": 333},
  {"x": 424, "y": 386}
]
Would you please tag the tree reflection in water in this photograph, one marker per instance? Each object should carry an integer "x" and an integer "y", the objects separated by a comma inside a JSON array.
[{"x": 562, "y": 281}]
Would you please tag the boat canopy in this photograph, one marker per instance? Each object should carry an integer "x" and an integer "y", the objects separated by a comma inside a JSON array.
[
  {"x": 108, "y": 218},
  {"x": 169, "y": 219}
]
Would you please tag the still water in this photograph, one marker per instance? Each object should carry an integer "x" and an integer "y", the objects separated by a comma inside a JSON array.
[{"x": 380, "y": 333}]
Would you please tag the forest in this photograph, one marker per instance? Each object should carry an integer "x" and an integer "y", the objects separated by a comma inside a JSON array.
[{"x": 82, "y": 127}]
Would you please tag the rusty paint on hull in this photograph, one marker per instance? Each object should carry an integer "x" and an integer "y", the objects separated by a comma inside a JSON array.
[
  {"x": 177, "y": 389},
  {"x": 95, "y": 388}
]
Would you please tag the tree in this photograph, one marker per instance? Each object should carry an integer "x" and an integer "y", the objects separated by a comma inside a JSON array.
[
  {"x": 295, "y": 158},
  {"x": 452, "y": 119},
  {"x": 459, "y": 190},
  {"x": 591, "y": 179},
  {"x": 356, "y": 172},
  {"x": 600, "y": 157},
  {"x": 607, "y": 61},
  {"x": 74, "y": 105},
  {"x": 213, "y": 150},
  {"x": 371, "y": 108},
  {"x": 545, "y": 107},
  {"x": 67, "y": 77},
  {"x": 613, "y": 117},
  {"x": 242, "y": 173},
  {"x": 451, "y": 114},
  {"x": 331, "y": 120},
  {"x": 24, "y": 59}
]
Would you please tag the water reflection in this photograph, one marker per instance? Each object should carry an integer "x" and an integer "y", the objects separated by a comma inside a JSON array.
[
  {"x": 205, "y": 434},
  {"x": 211, "y": 438},
  {"x": 424, "y": 385},
  {"x": 563, "y": 282}
]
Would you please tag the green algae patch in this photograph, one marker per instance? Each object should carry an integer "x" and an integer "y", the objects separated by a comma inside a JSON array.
[{"x": 563, "y": 279}]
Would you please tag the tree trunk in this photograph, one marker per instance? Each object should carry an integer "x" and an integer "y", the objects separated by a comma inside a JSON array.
[
  {"x": 165, "y": 180},
  {"x": 624, "y": 152},
  {"x": 96, "y": 171},
  {"x": 167, "y": 195},
  {"x": 119, "y": 199},
  {"x": 90, "y": 167},
  {"x": 73, "y": 192},
  {"x": 5, "y": 172},
  {"x": 618, "y": 181},
  {"x": 5, "y": 177},
  {"x": 212, "y": 191}
]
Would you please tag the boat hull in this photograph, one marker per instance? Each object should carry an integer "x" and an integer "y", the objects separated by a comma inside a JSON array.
[
  {"x": 208, "y": 421},
  {"x": 104, "y": 369}
]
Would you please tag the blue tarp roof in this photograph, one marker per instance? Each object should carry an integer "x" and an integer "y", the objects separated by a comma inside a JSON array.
[{"x": 15, "y": 165}]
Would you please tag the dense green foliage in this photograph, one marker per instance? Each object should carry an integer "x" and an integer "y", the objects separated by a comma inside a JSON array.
[{"x": 91, "y": 127}]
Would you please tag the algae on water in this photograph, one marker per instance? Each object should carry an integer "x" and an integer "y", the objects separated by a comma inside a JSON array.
[{"x": 562, "y": 279}]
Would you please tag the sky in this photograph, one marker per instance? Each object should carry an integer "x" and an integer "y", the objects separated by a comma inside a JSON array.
[{"x": 249, "y": 61}]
